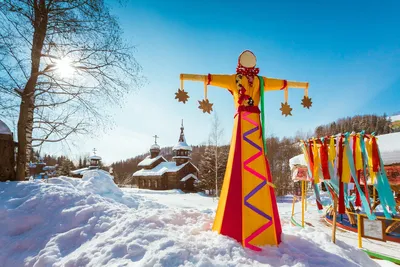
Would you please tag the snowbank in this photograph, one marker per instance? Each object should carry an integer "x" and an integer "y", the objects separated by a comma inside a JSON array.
[
  {"x": 4, "y": 128},
  {"x": 73, "y": 222}
]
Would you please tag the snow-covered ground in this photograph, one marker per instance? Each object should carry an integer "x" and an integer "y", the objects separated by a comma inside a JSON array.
[{"x": 91, "y": 222}]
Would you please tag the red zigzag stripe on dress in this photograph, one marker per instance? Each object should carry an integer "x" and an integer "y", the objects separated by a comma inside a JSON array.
[{"x": 257, "y": 188}]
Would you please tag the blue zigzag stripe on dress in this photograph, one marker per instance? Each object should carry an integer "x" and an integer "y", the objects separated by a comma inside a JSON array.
[{"x": 364, "y": 200}]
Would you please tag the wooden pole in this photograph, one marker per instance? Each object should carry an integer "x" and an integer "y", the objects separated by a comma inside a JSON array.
[
  {"x": 302, "y": 202},
  {"x": 294, "y": 201},
  {"x": 334, "y": 220},
  {"x": 359, "y": 231}
]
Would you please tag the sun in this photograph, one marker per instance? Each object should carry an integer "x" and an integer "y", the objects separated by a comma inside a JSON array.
[{"x": 64, "y": 67}]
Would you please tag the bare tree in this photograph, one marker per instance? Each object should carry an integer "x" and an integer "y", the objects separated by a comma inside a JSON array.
[
  {"x": 213, "y": 160},
  {"x": 41, "y": 42}
]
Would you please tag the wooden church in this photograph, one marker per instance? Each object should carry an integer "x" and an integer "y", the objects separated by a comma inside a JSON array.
[{"x": 159, "y": 174}]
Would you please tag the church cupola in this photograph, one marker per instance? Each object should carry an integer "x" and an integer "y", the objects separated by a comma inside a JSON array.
[
  {"x": 181, "y": 150},
  {"x": 155, "y": 148},
  {"x": 95, "y": 160}
]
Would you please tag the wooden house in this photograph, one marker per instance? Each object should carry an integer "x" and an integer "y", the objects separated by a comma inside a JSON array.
[
  {"x": 159, "y": 174},
  {"x": 7, "y": 154}
]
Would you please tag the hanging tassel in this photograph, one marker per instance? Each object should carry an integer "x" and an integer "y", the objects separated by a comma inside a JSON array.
[
  {"x": 372, "y": 174},
  {"x": 311, "y": 156},
  {"x": 323, "y": 151},
  {"x": 342, "y": 207},
  {"x": 365, "y": 166},
  {"x": 375, "y": 155},
  {"x": 316, "y": 162},
  {"x": 332, "y": 150},
  {"x": 352, "y": 169},
  {"x": 346, "y": 176},
  {"x": 356, "y": 151},
  {"x": 358, "y": 197},
  {"x": 359, "y": 163}
]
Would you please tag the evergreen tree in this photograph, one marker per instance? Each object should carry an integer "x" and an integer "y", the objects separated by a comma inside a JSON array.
[
  {"x": 84, "y": 162},
  {"x": 208, "y": 165},
  {"x": 66, "y": 167}
]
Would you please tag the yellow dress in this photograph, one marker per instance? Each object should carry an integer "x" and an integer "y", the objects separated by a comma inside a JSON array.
[{"x": 247, "y": 209}]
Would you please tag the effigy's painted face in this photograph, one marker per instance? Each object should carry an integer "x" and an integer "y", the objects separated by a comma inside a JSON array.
[{"x": 247, "y": 59}]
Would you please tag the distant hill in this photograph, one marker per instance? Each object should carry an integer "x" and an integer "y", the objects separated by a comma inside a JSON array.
[{"x": 395, "y": 122}]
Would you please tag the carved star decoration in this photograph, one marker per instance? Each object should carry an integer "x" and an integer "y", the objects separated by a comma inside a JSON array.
[
  {"x": 286, "y": 109},
  {"x": 182, "y": 96},
  {"x": 206, "y": 106},
  {"x": 306, "y": 102}
]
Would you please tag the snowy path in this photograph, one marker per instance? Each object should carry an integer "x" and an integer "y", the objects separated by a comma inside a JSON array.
[{"x": 91, "y": 222}]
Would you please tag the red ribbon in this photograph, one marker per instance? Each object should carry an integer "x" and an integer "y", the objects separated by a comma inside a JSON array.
[
  {"x": 323, "y": 150},
  {"x": 375, "y": 156},
  {"x": 250, "y": 73},
  {"x": 209, "y": 79},
  {"x": 284, "y": 85}
]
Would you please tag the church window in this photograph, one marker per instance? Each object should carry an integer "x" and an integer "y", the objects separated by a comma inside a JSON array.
[
  {"x": 149, "y": 183},
  {"x": 155, "y": 184}
]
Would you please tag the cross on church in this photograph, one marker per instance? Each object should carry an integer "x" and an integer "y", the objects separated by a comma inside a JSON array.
[
  {"x": 155, "y": 138},
  {"x": 94, "y": 151}
]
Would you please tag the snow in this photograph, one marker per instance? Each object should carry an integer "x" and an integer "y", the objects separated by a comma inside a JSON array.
[
  {"x": 91, "y": 222},
  {"x": 187, "y": 177},
  {"x": 395, "y": 118},
  {"x": 4, "y": 128},
  {"x": 182, "y": 146},
  {"x": 297, "y": 160},
  {"x": 389, "y": 146},
  {"x": 160, "y": 169},
  {"x": 148, "y": 161},
  {"x": 155, "y": 146},
  {"x": 80, "y": 171},
  {"x": 95, "y": 157}
]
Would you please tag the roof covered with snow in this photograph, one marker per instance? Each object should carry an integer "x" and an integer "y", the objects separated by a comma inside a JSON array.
[
  {"x": 187, "y": 177},
  {"x": 395, "y": 118},
  {"x": 182, "y": 146},
  {"x": 389, "y": 146},
  {"x": 160, "y": 169},
  {"x": 297, "y": 160},
  {"x": 155, "y": 146},
  {"x": 95, "y": 157},
  {"x": 148, "y": 161},
  {"x": 4, "y": 128}
]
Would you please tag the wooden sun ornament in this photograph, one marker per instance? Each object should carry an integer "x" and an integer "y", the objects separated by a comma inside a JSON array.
[
  {"x": 182, "y": 96},
  {"x": 306, "y": 102},
  {"x": 286, "y": 109},
  {"x": 205, "y": 106}
]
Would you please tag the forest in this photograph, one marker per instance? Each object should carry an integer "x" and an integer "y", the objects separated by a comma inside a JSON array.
[{"x": 279, "y": 151}]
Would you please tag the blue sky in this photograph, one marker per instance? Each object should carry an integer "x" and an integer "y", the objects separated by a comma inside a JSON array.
[{"x": 349, "y": 52}]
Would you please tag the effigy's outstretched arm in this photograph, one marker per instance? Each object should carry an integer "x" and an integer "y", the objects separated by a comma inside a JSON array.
[
  {"x": 278, "y": 84},
  {"x": 224, "y": 81},
  {"x": 219, "y": 80},
  {"x": 271, "y": 84}
]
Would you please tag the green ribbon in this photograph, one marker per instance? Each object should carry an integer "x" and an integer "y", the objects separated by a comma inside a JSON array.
[{"x": 262, "y": 113}]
